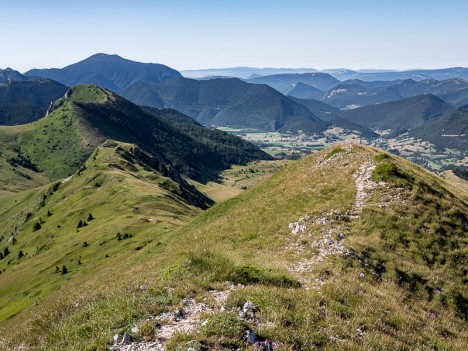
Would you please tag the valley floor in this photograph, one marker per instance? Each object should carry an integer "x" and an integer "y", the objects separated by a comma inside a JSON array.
[{"x": 293, "y": 146}]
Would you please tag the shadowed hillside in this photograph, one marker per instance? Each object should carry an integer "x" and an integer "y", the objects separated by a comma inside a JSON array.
[
  {"x": 450, "y": 131},
  {"x": 24, "y": 101}
]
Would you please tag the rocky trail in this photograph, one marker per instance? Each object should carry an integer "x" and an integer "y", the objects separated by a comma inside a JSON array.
[
  {"x": 363, "y": 184},
  {"x": 325, "y": 235}
]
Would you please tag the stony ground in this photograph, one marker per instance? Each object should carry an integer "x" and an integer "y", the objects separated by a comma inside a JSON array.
[
  {"x": 187, "y": 318},
  {"x": 325, "y": 235}
]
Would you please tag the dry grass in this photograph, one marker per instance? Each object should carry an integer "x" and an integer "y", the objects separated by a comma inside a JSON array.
[{"x": 459, "y": 185}]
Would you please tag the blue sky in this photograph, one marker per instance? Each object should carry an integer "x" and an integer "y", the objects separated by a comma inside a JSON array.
[{"x": 191, "y": 34}]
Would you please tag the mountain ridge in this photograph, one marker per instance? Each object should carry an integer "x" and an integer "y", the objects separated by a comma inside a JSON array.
[
  {"x": 88, "y": 115},
  {"x": 350, "y": 241},
  {"x": 333, "y": 117},
  {"x": 368, "y": 75}
]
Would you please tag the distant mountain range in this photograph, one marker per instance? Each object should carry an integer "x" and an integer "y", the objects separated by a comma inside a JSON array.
[
  {"x": 109, "y": 71},
  {"x": 281, "y": 82},
  {"x": 356, "y": 93},
  {"x": 417, "y": 75},
  {"x": 368, "y": 75},
  {"x": 353, "y": 93},
  {"x": 229, "y": 103},
  {"x": 284, "y": 100},
  {"x": 333, "y": 117},
  {"x": 241, "y": 72}
]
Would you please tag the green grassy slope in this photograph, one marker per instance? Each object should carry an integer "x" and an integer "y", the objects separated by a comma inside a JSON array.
[
  {"x": 14, "y": 176},
  {"x": 349, "y": 248},
  {"x": 124, "y": 193},
  {"x": 60, "y": 142}
]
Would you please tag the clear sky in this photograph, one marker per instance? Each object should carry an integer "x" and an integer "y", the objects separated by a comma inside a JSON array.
[{"x": 191, "y": 34}]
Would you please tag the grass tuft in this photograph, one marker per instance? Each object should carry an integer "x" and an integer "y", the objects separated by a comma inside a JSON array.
[
  {"x": 250, "y": 274},
  {"x": 389, "y": 172},
  {"x": 381, "y": 156},
  {"x": 334, "y": 152}
]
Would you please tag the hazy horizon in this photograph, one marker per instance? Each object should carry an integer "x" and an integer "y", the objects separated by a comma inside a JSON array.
[
  {"x": 208, "y": 34},
  {"x": 253, "y": 67}
]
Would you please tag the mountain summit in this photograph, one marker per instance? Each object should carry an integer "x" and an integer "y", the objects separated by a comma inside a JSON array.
[{"x": 109, "y": 71}]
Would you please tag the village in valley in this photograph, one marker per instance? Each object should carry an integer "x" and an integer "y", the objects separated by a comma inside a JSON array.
[{"x": 292, "y": 146}]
